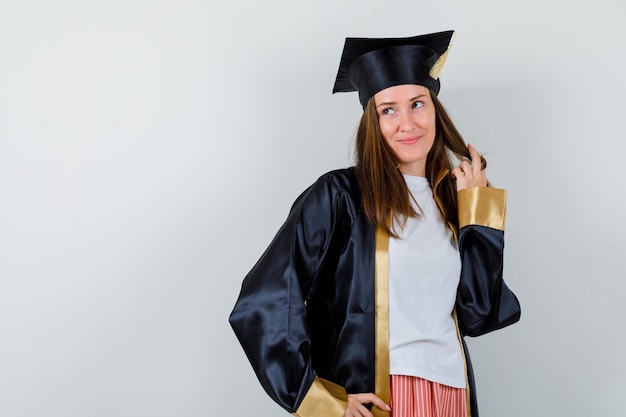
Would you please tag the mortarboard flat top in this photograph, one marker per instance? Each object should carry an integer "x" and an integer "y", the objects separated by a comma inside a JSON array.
[{"x": 369, "y": 65}]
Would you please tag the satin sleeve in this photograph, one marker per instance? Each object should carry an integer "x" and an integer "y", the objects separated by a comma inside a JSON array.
[
  {"x": 269, "y": 317},
  {"x": 484, "y": 301}
]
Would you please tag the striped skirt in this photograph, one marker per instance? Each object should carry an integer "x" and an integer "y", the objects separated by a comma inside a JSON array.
[{"x": 416, "y": 397}]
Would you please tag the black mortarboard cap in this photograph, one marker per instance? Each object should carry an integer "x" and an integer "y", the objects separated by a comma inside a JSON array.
[{"x": 369, "y": 65}]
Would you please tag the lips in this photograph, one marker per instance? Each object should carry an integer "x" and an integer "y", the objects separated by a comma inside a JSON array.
[{"x": 409, "y": 141}]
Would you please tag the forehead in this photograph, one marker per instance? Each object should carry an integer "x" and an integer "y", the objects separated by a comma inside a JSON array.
[{"x": 398, "y": 93}]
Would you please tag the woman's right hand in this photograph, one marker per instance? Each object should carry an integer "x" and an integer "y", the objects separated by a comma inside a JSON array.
[
  {"x": 357, "y": 409},
  {"x": 470, "y": 174}
]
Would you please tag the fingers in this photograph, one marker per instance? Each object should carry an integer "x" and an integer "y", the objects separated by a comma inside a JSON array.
[
  {"x": 468, "y": 174},
  {"x": 357, "y": 408},
  {"x": 377, "y": 401},
  {"x": 476, "y": 159},
  {"x": 468, "y": 168}
]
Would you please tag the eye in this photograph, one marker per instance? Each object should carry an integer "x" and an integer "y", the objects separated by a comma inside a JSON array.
[
  {"x": 418, "y": 104},
  {"x": 387, "y": 111}
]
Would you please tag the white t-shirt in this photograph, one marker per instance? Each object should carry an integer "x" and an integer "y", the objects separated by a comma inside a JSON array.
[{"x": 424, "y": 271}]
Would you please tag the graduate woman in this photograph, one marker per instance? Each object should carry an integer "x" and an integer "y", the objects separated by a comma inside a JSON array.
[{"x": 360, "y": 304}]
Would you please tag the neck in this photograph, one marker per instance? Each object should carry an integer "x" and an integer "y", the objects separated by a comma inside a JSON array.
[{"x": 416, "y": 170}]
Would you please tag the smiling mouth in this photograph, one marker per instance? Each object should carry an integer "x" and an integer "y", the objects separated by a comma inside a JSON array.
[{"x": 409, "y": 141}]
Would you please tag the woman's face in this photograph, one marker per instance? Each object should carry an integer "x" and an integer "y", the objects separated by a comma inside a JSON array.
[{"x": 406, "y": 115}]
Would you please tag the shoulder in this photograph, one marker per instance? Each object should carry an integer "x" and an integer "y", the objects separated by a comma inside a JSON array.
[
  {"x": 338, "y": 188},
  {"x": 336, "y": 182},
  {"x": 340, "y": 180}
]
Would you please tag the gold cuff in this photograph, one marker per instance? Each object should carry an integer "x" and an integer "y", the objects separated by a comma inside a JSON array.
[
  {"x": 381, "y": 384},
  {"x": 324, "y": 398},
  {"x": 482, "y": 206}
]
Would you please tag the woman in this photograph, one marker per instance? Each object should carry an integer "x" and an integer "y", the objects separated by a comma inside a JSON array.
[{"x": 360, "y": 304}]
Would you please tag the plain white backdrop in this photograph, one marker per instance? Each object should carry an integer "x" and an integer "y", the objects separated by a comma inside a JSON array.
[{"x": 149, "y": 150}]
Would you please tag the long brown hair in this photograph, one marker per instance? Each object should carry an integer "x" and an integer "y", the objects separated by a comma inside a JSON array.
[{"x": 386, "y": 198}]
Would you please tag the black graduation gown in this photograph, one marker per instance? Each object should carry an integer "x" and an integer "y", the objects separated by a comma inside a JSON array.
[{"x": 311, "y": 315}]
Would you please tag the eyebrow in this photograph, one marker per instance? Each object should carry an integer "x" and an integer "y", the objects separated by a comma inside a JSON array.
[{"x": 389, "y": 103}]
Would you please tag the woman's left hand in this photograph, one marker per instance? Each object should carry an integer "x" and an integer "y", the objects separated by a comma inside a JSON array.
[{"x": 468, "y": 174}]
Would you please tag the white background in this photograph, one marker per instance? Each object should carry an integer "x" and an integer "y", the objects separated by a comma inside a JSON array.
[{"x": 149, "y": 150}]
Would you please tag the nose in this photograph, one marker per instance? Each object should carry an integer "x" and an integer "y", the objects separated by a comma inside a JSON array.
[{"x": 407, "y": 123}]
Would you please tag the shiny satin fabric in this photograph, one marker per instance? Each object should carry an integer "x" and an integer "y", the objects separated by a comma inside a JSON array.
[
  {"x": 369, "y": 65},
  {"x": 394, "y": 65},
  {"x": 482, "y": 207},
  {"x": 306, "y": 314},
  {"x": 307, "y": 307},
  {"x": 481, "y": 286},
  {"x": 382, "y": 321}
]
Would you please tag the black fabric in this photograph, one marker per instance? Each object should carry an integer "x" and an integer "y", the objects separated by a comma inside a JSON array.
[
  {"x": 470, "y": 378},
  {"x": 306, "y": 308},
  {"x": 481, "y": 286},
  {"x": 369, "y": 65}
]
